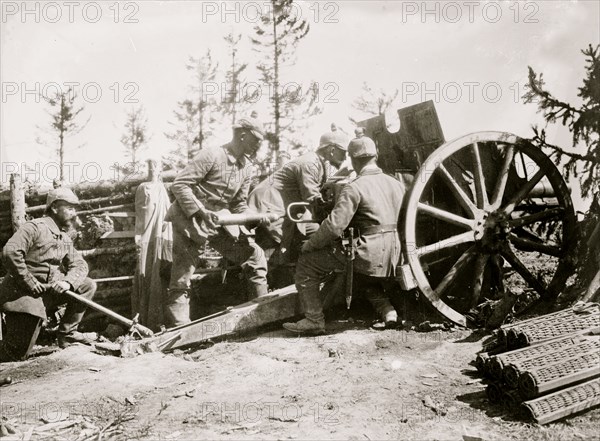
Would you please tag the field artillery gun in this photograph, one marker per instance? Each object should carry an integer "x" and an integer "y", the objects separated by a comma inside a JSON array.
[{"x": 483, "y": 211}]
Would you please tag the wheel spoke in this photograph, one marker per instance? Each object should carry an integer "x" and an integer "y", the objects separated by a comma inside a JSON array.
[
  {"x": 530, "y": 245},
  {"x": 516, "y": 199},
  {"x": 445, "y": 215},
  {"x": 542, "y": 215},
  {"x": 462, "y": 198},
  {"x": 452, "y": 241},
  {"x": 456, "y": 268},
  {"x": 503, "y": 177},
  {"x": 482, "y": 199},
  {"x": 514, "y": 261},
  {"x": 479, "y": 272}
]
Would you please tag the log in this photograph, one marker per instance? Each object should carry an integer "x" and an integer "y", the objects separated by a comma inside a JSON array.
[
  {"x": 82, "y": 202},
  {"x": 100, "y": 188},
  {"x": 104, "y": 209},
  {"x": 130, "y": 234},
  {"x": 17, "y": 202},
  {"x": 108, "y": 250}
]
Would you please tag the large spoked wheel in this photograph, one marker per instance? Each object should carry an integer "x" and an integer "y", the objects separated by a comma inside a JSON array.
[{"x": 488, "y": 212}]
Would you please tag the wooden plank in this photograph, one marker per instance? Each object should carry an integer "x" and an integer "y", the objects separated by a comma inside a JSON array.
[
  {"x": 113, "y": 279},
  {"x": 123, "y": 214},
  {"x": 238, "y": 321},
  {"x": 130, "y": 234}
]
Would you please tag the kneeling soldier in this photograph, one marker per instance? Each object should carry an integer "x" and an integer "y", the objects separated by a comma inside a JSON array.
[
  {"x": 42, "y": 263},
  {"x": 370, "y": 204}
]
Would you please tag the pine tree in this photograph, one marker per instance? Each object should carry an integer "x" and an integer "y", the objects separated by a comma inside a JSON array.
[
  {"x": 185, "y": 134},
  {"x": 134, "y": 138},
  {"x": 583, "y": 122},
  {"x": 204, "y": 71},
  {"x": 64, "y": 113},
  {"x": 232, "y": 101},
  {"x": 276, "y": 38}
]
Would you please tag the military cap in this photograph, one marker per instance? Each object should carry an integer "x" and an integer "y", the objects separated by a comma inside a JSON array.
[
  {"x": 335, "y": 138},
  {"x": 251, "y": 123},
  {"x": 61, "y": 194},
  {"x": 362, "y": 146}
]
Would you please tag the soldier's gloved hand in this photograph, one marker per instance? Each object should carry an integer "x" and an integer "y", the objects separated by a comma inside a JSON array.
[
  {"x": 59, "y": 287},
  {"x": 209, "y": 217},
  {"x": 38, "y": 288}
]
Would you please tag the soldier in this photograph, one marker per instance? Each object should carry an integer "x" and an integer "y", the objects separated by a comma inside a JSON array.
[
  {"x": 42, "y": 263},
  {"x": 299, "y": 180},
  {"x": 371, "y": 204},
  {"x": 217, "y": 178}
]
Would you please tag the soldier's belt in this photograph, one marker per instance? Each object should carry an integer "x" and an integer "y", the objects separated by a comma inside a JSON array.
[{"x": 377, "y": 229}]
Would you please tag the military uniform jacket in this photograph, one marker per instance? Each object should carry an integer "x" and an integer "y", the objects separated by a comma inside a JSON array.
[
  {"x": 215, "y": 180},
  {"x": 38, "y": 250},
  {"x": 300, "y": 180},
  {"x": 372, "y": 199}
]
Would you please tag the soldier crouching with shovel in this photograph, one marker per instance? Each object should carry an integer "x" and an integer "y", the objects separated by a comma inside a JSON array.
[{"x": 42, "y": 264}]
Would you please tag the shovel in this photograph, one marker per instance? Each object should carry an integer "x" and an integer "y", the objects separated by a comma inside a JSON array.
[{"x": 133, "y": 325}]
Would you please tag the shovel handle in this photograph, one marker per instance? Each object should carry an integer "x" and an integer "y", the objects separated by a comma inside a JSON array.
[{"x": 129, "y": 323}]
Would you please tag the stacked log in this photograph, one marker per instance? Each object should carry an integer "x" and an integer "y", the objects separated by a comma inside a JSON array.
[{"x": 555, "y": 370}]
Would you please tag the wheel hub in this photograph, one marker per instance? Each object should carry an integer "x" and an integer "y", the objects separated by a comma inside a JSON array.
[{"x": 495, "y": 231}]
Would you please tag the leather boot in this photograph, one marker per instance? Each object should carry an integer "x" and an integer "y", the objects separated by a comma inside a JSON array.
[
  {"x": 177, "y": 311},
  {"x": 306, "y": 326},
  {"x": 256, "y": 291},
  {"x": 73, "y": 337}
]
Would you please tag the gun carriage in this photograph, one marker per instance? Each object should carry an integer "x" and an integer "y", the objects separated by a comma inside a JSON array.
[{"x": 482, "y": 211}]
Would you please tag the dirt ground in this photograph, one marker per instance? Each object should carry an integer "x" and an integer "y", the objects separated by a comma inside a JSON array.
[{"x": 353, "y": 383}]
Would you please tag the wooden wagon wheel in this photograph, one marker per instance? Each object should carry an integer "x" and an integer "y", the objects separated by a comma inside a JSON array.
[{"x": 485, "y": 212}]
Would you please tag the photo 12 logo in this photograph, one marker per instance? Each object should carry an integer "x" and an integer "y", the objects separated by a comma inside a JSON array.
[
  {"x": 38, "y": 172},
  {"x": 71, "y": 12},
  {"x": 452, "y": 92},
  {"x": 469, "y": 11},
  {"x": 90, "y": 92},
  {"x": 253, "y": 12},
  {"x": 253, "y": 92}
]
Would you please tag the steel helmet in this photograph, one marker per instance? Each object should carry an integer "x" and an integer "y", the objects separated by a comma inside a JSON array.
[
  {"x": 362, "y": 146},
  {"x": 336, "y": 138},
  {"x": 251, "y": 123},
  {"x": 61, "y": 194}
]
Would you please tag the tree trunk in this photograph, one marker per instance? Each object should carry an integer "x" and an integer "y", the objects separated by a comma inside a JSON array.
[
  {"x": 276, "y": 96},
  {"x": 17, "y": 202}
]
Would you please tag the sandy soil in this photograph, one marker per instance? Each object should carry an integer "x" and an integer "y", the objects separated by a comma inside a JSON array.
[{"x": 354, "y": 383}]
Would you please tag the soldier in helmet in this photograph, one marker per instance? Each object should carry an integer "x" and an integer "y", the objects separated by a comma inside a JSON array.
[
  {"x": 371, "y": 205},
  {"x": 42, "y": 263},
  {"x": 217, "y": 179},
  {"x": 299, "y": 180}
]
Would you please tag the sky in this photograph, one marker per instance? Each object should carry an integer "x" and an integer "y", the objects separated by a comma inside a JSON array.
[{"x": 469, "y": 57}]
